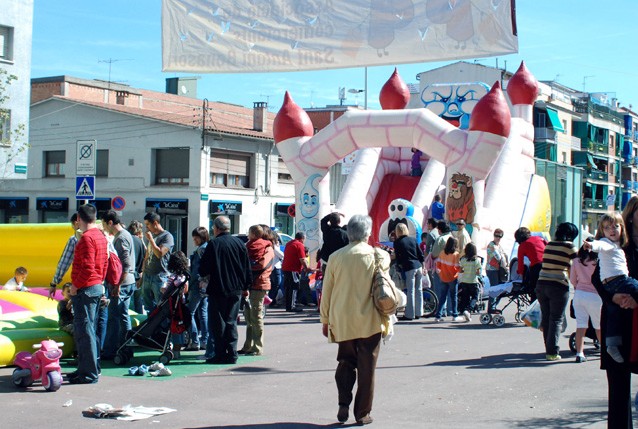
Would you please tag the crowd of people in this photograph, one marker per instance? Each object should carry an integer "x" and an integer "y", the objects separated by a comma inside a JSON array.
[{"x": 225, "y": 276}]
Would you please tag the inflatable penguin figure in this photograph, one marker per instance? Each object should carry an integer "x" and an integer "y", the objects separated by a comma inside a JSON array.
[{"x": 400, "y": 211}]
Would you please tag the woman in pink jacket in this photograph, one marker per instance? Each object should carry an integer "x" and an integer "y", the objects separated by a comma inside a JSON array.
[{"x": 587, "y": 302}]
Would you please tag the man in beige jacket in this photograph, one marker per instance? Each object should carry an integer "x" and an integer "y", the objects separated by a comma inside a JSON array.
[{"x": 350, "y": 318}]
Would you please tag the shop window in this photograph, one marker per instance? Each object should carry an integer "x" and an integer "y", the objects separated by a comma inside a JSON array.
[
  {"x": 5, "y": 126},
  {"x": 54, "y": 161},
  {"x": 6, "y": 43},
  {"x": 102, "y": 163},
  {"x": 229, "y": 170},
  {"x": 172, "y": 166},
  {"x": 283, "y": 175}
]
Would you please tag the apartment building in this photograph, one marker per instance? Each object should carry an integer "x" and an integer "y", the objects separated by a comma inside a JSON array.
[{"x": 16, "y": 28}]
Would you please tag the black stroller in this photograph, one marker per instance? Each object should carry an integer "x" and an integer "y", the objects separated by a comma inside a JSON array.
[
  {"x": 171, "y": 316},
  {"x": 517, "y": 292}
]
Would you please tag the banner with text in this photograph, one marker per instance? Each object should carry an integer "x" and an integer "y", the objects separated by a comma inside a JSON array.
[{"x": 251, "y": 36}]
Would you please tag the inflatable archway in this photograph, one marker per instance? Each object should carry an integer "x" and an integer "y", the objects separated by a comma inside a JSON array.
[{"x": 488, "y": 168}]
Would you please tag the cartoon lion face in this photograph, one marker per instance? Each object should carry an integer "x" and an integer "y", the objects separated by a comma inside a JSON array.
[
  {"x": 460, "y": 198},
  {"x": 460, "y": 185}
]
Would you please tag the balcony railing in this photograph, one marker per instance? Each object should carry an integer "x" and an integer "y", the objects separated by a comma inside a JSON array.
[
  {"x": 575, "y": 143},
  {"x": 590, "y": 203},
  {"x": 598, "y": 147},
  {"x": 597, "y": 175},
  {"x": 544, "y": 134}
]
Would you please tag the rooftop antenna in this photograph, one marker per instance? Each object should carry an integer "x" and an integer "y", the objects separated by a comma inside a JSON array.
[
  {"x": 110, "y": 62},
  {"x": 267, "y": 99}
]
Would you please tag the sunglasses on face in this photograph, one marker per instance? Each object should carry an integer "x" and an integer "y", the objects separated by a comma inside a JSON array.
[{"x": 498, "y": 236}]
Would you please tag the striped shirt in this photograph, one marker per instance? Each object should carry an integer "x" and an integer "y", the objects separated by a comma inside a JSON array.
[
  {"x": 471, "y": 270},
  {"x": 557, "y": 258}
]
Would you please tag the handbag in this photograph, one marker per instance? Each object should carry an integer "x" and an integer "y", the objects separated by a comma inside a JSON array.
[
  {"x": 385, "y": 295},
  {"x": 532, "y": 316},
  {"x": 397, "y": 277}
]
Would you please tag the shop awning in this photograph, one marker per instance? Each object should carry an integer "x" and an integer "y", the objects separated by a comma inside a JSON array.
[{"x": 555, "y": 120}]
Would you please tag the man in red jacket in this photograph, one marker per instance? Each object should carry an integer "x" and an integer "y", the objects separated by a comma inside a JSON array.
[
  {"x": 89, "y": 270},
  {"x": 294, "y": 261},
  {"x": 531, "y": 247}
]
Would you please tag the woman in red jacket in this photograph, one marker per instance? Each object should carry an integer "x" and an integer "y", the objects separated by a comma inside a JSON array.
[{"x": 262, "y": 259}]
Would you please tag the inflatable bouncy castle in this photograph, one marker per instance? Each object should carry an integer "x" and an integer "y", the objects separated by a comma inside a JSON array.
[{"x": 487, "y": 170}]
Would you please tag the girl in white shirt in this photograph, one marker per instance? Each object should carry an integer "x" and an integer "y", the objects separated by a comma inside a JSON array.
[{"x": 611, "y": 237}]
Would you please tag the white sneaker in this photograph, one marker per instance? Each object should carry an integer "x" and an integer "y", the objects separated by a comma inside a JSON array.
[
  {"x": 458, "y": 319},
  {"x": 156, "y": 366},
  {"x": 467, "y": 316},
  {"x": 164, "y": 371}
]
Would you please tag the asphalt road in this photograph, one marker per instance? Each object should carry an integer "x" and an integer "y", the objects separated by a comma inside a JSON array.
[{"x": 430, "y": 375}]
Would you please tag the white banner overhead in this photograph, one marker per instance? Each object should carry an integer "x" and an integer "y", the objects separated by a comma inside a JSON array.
[{"x": 249, "y": 36}]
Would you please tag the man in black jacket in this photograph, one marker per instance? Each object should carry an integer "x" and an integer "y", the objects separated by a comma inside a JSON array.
[
  {"x": 226, "y": 265},
  {"x": 334, "y": 236}
]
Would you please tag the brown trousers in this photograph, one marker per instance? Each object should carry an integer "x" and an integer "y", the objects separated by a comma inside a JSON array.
[{"x": 358, "y": 356}]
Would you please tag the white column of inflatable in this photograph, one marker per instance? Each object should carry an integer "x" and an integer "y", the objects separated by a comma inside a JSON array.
[{"x": 508, "y": 184}]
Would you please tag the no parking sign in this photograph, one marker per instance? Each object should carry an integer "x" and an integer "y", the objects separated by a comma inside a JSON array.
[{"x": 118, "y": 203}]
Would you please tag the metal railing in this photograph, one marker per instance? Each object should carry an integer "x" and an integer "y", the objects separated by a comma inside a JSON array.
[
  {"x": 597, "y": 175},
  {"x": 598, "y": 147},
  {"x": 591, "y": 203},
  {"x": 544, "y": 134}
]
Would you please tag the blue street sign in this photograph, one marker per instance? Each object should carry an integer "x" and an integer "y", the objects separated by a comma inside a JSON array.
[{"x": 85, "y": 188}]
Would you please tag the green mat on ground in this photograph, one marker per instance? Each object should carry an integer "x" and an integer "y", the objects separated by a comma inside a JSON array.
[{"x": 187, "y": 365}]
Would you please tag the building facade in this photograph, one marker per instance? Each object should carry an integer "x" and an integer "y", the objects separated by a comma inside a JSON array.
[
  {"x": 187, "y": 159},
  {"x": 16, "y": 28},
  {"x": 600, "y": 126}
]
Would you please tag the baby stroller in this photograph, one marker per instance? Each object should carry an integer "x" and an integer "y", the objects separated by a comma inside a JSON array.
[
  {"x": 171, "y": 316},
  {"x": 589, "y": 333},
  {"x": 517, "y": 292}
]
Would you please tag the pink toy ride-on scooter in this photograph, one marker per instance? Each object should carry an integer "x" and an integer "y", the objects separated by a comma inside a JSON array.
[{"x": 43, "y": 365}]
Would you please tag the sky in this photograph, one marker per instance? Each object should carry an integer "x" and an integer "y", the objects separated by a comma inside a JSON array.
[{"x": 578, "y": 43}]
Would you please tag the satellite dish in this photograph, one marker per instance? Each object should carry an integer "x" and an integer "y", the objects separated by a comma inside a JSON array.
[{"x": 184, "y": 90}]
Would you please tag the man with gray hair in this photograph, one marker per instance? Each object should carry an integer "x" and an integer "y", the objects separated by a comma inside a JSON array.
[
  {"x": 350, "y": 319},
  {"x": 226, "y": 267}
]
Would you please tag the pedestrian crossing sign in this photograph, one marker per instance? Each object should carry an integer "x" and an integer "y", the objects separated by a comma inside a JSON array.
[{"x": 85, "y": 188}]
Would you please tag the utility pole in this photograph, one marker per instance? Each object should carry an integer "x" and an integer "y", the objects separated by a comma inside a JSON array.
[{"x": 204, "y": 112}]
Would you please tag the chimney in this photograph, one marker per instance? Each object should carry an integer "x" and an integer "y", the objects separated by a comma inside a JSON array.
[{"x": 260, "y": 114}]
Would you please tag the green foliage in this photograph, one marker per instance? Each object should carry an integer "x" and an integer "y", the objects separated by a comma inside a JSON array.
[{"x": 11, "y": 139}]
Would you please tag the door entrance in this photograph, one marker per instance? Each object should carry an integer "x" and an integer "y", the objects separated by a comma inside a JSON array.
[{"x": 177, "y": 225}]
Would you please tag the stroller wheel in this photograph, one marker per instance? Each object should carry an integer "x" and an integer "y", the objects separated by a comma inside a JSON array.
[
  {"x": 486, "y": 319},
  {"x": 518, "y": 316},
  {"x": 596, "y": 344},
  {"x": 430, "y": 302},
  {"x": 572, "y": 342},
  {"x": 499, "y": 320},
  {"x": 166, "y": 357},
  {"x": 121, "y": 358}
]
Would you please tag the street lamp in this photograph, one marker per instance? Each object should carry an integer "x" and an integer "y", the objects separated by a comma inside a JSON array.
[{"x": 356, "y": 92}]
